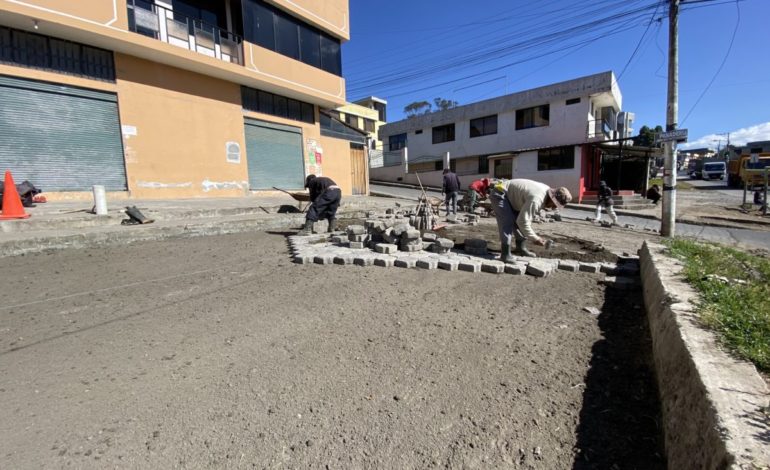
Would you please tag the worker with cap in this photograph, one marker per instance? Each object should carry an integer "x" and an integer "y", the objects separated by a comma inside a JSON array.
[
  {"x": 605, "y": 200},
  {"x": 477, "y": 191},
  {"x": 326, "y": 197},
  {"x": 516, "y": 202}
]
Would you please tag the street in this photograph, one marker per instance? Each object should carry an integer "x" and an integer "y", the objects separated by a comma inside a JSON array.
[{"x": 217, "y": 352}]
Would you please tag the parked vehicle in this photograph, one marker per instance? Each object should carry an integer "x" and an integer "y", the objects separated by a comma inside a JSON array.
[
  {"x": 741, "y": 170},
  {"x": 712, "y": 170},
  {"x": 694, "y": 167}
]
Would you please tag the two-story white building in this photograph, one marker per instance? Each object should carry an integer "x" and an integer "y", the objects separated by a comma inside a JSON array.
[{"x": 547, "y": 134}]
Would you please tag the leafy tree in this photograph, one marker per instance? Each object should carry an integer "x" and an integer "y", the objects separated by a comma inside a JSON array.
[
  {"x": 646, "y": 137},
  {"x": 443, "y": 105},
  {"x": 417, "y": 108}
]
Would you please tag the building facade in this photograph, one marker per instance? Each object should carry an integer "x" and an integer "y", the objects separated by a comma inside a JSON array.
[
  {"x": 543, "y": 134},
  {"x": 172, "y": 99}
]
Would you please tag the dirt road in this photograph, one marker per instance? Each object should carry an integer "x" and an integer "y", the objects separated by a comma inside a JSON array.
[{"x": 220, "y": 353}]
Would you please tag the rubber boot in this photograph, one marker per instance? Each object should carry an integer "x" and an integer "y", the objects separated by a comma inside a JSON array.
[
  {"x": 307, "y": 229},
  {"x": 521, "y": 249},
  {"x": 137, "y": 216},
  {"x": 505, "y": 254},
  {"x": 332, "y": 226}
]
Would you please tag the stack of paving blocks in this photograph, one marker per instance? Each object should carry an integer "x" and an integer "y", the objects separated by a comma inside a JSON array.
[
  {"x": 475, "y": 246},
  {"x": 357, "y": 236},
  {"x": 410, "y": 240}
]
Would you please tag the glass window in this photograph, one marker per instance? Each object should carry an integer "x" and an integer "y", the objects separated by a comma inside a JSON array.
[
  {"x": 310, "y": 46},
  {"x": 294, "y": 110},
  {"x": 537, "y": 116},
  {"x": 397, "y": 142},
  {"x": 265, "y": 103},
  {"x": 562, "y": 158},
  {"x": 444, "y": 133},
  {"x": 504, "y": 168},
  {"x": 286, "y": 37},
  {"x": 259, "y": 26},
  {"x": 368, "y": 125},
  {"x": 573, "y": 101},
  {"x": 330, "y": 55},
  {"x": 276, "y": 105},
  {"x": 281, "y": 106},
  {"x": 484, "y": 126},
  {"x": 351, "y": 120},
  {"x": 308, "y": 112},
  {"x": 483, "y": 165}
]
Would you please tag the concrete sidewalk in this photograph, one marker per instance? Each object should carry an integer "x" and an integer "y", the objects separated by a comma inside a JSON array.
[{"x": 69, "y": 224}]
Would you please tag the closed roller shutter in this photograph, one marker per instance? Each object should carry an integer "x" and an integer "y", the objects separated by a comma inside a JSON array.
[
  {"x": 60, "y": 138},
  {"x": 274, "y": 155}
]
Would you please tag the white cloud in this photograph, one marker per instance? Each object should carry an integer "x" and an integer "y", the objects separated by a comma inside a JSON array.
[{"x": 739, "y": 137}]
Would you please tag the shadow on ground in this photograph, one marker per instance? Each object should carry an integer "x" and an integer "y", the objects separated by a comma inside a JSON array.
[{"x": 620, "y": 425}]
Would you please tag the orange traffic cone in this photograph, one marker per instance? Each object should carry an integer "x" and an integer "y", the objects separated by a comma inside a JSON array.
[{"x": 12, "y": 207}]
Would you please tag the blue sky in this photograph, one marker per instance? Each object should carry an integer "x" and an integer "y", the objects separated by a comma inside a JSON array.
[{"x": 406, "y": 51}]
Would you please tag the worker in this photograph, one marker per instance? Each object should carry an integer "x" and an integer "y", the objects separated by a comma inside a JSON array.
[
  {"x": 515, "y": 203},
  {"x": 605, "y": 200},
  {"x": 450, "y": 188},
  {"x": 653, "y": 194},
  {"x": 326, "y": 197},
  {"x": 477, "y": 191}
]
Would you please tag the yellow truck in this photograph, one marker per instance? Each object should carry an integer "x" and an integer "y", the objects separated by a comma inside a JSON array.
[{"x": 742, "y": 170}]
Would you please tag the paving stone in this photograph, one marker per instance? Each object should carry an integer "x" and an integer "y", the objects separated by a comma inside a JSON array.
[
  {"x": 516, "y": 268},
  {"x": 469, "y": 266},
  {"x": 386, "y": 248},
  {"x": 494, "y": 267},
  {"x": 569, "y": 265},
  {"x": 304, "y": 259},
  {"x": 383, "y": 261},
  {"x": 427, "y": 263},
  {"x": 448, "y": 264},
  {"x": 405, "y": 263},
  {"x": 445, "y": 243},
  {"x": 608, "y": 268},
  {"x": 538, "y": 268},
  {"x": 475, "y": 243},
  {"x": 388, "y": 236},
  {"x": 339, "y": 239},
  {"x": 356, "y": 230},
  {"x": 401, "y": 228},
  {"x": 411, "y": 234},
  {"x": 429, "y": 237},
  {"x": 426, "y": 245},
  {"x": 343, "y": 259},
  {"x": 588, "y": 267},
  {"x": 323, "y": 259},
  {"x": 358, "y": 238},
  {"x": 363, "y": 260},
  {"x": 357, "y": 245},
  {"x": 411, "y": 248}
]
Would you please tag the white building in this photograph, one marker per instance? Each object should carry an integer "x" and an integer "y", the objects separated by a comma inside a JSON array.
[{"x": 543, "y": 134}]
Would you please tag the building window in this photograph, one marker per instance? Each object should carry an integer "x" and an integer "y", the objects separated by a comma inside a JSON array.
[
  {"x": 397, "y": 142},
  {"x": 351, "y": 120},
  {"x": 573, "y": 101},
  {"x": 25, "y": 49},
  {"x": 381, "y": 111},
  {"x": 483, "y": 165},
  {"x": 368, "y": 125},
  {"x": 537, "y": 116},
  {"x": 418, "y": 131},
  {"x": 504, "y": 168},
  {"x": 268, "y": 103},
  {"x": 562, "y": 158},
  {"x": 444, "y": 133},
  {"x": 438, "y": 165},
  {"x": 276, "y": 30},
  {"x": 484, "y": 126}
]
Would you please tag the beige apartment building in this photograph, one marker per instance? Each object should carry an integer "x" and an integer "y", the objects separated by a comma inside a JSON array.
[{"x": 173, "y": 99}]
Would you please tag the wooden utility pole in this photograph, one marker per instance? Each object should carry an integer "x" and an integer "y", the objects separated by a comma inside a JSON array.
[{"x": 668, "y": 224}]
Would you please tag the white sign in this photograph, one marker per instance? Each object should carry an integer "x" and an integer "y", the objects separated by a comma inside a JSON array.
[
  {"x": 128, "y": 130},
  {"x": 677, "y": 135}
]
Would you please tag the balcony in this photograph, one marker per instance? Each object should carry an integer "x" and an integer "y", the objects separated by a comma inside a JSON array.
[
  {"x": 179, "y": 30},
  {"x": 599, "y": 130}
]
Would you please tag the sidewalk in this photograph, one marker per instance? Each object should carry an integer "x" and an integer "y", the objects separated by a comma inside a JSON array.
[{"x": 68, "y": 224}]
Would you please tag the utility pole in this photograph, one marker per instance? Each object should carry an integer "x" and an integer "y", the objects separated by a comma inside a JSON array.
[{"x": 668, "y": 224}]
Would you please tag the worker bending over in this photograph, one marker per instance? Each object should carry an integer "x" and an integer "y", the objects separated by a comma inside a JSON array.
[
  {"x": 326, "y": 197},
  {"x": 605, "y": 200},
  {"x": 516, "y": 202},
  {"x": 477, "y": 191}
]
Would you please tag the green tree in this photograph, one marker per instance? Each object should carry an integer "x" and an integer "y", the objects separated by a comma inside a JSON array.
[
  {"x": 646, "y": 137},
  {"x": 417, "y": 108},
  {"x": 443, "y": 105}
]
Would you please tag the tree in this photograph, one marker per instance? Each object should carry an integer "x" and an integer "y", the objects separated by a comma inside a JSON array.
[
  {"x": 417, "y": 108},
  {"x": 443, "y": 105},
  {"x": 646, "y": 137}
]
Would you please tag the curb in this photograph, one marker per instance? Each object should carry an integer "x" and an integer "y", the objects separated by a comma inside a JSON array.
[{"x": 711, "y": 402}]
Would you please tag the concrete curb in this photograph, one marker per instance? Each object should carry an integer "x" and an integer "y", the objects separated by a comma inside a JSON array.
[{"x": 711, "y": 402}]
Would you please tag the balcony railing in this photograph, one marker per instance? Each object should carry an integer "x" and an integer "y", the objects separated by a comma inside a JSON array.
[
  {"x": 599, "y": 129},
  {"x": 171, "y": 27}
]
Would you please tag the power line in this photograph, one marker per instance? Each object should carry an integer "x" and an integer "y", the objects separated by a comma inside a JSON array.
[{"x": 636, "y": 49}]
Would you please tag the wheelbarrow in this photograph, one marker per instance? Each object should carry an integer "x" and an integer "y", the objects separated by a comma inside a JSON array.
[{"x": 299, "y": 196}]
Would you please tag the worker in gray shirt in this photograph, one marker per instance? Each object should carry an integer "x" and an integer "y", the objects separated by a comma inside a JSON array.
[{"x": 450, "y": 188}]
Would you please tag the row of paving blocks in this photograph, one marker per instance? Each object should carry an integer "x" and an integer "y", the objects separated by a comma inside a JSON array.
[{"x": 400, "y": 245}]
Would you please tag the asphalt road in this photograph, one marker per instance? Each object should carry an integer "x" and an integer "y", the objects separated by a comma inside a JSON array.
[{"x": 219, "y": 352}]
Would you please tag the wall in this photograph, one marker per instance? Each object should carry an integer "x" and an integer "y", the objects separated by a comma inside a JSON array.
[{"x": 525, "y": 166}]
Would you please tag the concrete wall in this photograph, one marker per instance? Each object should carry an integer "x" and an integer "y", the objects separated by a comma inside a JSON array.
[{"x": 525, "y": 166}]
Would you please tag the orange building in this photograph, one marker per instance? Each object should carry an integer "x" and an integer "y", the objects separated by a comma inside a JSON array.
[{"x": 173, "y": 99}]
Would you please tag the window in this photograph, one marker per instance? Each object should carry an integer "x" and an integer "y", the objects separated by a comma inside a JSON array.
[
  {"x": 351, "y": 120},
  {"x": 368, "y": 125},
  {"x": 271, "y": 28},
  {"x": 418, "y": 131},
  {"x": 504, "y": 168},
  {"x": 484, "y": 126},
  {"x": 444, "y": 133},
  {"x": 483, "y": 165},
  {"x": 397, "y": 142},
  {"x": 380, "y": 107},
  {"x": 573, "y": 101},
  {"x": 562, "y": 158},
  {"x": 268, "y": 103},
  {"x": 532, "y": 117},
  {"x": 42, "y": 52}
]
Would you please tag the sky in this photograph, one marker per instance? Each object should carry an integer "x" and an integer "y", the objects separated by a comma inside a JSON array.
[{"x": 406, "y": 51}]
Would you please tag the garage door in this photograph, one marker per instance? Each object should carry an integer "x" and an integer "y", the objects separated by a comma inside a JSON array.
[
  {"x": 60, "y": 138},
  {"x": 274, "y": 155}
]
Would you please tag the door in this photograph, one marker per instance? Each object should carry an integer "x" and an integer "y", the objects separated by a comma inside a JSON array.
[
  {"x": 274, "y": 155},
  {"x": 60, "y": 138},
  {"x": 358, "y": 168}
]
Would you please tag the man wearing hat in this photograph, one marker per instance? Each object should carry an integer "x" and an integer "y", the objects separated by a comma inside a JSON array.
[{"x": 516, "y": 202}]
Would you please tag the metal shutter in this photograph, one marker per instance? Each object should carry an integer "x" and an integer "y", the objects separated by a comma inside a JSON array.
[
  {"x": 60, "y": 138},
  {"x": 274, "y": 154}
]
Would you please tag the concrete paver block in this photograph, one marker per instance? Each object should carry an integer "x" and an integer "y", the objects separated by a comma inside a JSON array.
[
  {"x": 427, "y": 263},
  {"x": 445, "y": 243},
  {"x": 357, "y": 245},
  {"x": 469, "y": 266},
  {"x": 304, "y": 259},
  {"x": 538, "y": 268},
  {"x": 448, "y": 264},
  {"x": 475, "y": 243},
  {"x": 405, "y": 263},
  {"x": 386, "y": 248},
  {"x": 569, "y": 265},
  {"x": 323, "y": 259},
  {"x": 411, "y": 234},
  {"x": 429, "y": 237},
  {"x": 363, "y": 260},
  {"x": 588, "y": 267},
  {"x": 384, "y": 261},
  {"x": 608, "y": 268},
  {"x": 492, "y": 266},
  {"x": 343, "y": 259},
  {"x": 517, "y": 269},
  {"x": 356, "y": 230}
]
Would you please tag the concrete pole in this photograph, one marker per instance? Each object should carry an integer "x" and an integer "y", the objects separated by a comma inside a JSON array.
[
  {"x": 668, "y": 224},
  {"x": 100, "y": 200}
]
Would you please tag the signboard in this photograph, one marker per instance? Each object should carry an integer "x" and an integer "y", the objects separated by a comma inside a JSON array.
[{"x": 677, "y": 135}]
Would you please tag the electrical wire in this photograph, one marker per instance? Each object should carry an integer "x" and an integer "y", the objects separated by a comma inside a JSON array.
[{"x": 641, "y": 40}]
